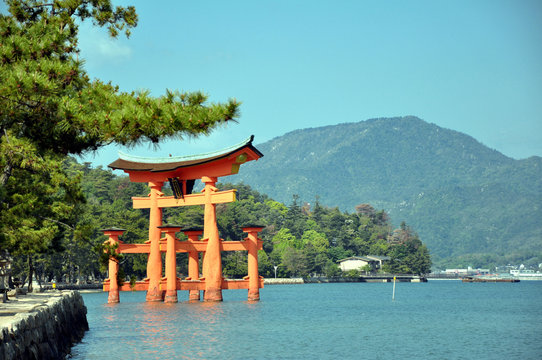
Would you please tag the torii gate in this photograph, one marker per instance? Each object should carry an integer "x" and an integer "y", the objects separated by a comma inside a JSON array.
[{"x": 181, "y": 173}]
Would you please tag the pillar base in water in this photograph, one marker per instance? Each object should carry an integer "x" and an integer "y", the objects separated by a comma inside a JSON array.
[
  {"x": 254, "y": 295},
  {"x": 212, "y": 295},
  {"x": 113, "y": 297},
  {"x": 155, "y": 295},
  {"x": 194, "y": 295},
  {"x": 171, "y": 296}
]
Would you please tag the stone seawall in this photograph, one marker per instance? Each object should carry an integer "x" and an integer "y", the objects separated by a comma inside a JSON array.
[
  {"x": 42, "y": 325},
  {"x": 282, "y": 281}
]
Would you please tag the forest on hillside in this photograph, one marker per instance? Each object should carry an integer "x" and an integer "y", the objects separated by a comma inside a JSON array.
[
  {"x": 301, "y": 240},
  {"x": 471, "y": 205}
]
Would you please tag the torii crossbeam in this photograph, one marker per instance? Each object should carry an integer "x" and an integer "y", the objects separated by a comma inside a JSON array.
[{"x": 181, "y": 173}]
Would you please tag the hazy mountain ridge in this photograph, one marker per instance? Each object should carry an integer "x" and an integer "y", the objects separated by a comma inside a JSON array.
[{"x": 461, "y": 196}]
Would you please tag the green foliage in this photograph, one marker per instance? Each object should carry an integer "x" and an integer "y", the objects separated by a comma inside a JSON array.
[
  {"x": 133, "y": 280},
  {"x": 331, "y": 269},
  {"x": 316, "y": 240},
  {"x": 285, "y": 240},
  {"x": 295, "y": 262},
  {"x": 106, "y": 252},
  {"x": 366, "y": 269},
  {"x": 48, "y": 98},
  {"x": 234, "y": 264},
  {"x": 310, "y": 252},
  {"x": 265, "y": 265},
  {"x": 353, "y": 274},
  {"x": 50, "y": 108},
  {"x": 109, "y": 204}
]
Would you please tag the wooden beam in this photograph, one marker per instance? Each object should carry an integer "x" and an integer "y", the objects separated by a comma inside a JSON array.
[
  {"x": 134, "y": 248},
  {"x": 186, "y": 246},
  {"x": 219, "y": 197},
  {"x": 230, "y": 284}
]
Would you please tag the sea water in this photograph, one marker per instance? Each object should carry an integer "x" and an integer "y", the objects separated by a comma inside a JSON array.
[{"x": 434, "y": 320}]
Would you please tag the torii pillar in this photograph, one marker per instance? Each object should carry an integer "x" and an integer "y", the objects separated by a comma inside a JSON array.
[
  {"x": 253, "y": 276},
  {"x": 171, "y": 263},
  {"x": 113, "y": 268},
  {"x": 212, "y": 261},
  {"x": 154, "y": 264},
  {"x": 193, "y": 261}
]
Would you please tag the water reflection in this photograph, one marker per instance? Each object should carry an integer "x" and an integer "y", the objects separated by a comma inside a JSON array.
[
  {"x": 110, "y": 314},
  {"x": 203, "y": 321},
  {"x": 156, "y": 329},
  {"x": 184, "y": 330},
  {"x": 138, "y": 329},
  {"x": 208, "y": 312},
  {"x": 326, "y": 321}
]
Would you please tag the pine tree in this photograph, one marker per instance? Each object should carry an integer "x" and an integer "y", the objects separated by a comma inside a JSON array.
[
  {"x": 50, "y": 108},
  {"x": 49, "y": 100}
]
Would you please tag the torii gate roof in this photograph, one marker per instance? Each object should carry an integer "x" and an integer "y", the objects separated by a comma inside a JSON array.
[{"x": 219, "y": 163}]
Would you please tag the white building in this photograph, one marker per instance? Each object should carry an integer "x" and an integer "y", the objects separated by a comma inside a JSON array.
[{"x": 358, "y": 262}]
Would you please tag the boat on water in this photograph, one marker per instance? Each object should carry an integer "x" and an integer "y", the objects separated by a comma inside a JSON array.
[
  {"x": 488, "y": 279},
  {"x": 526, "y": 275}
]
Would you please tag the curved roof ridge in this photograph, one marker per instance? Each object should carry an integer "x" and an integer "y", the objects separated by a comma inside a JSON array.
[{"x": 174, "y": 159}]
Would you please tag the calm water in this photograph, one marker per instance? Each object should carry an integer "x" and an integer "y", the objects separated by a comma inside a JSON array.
[{"x": 434, "y": 320}]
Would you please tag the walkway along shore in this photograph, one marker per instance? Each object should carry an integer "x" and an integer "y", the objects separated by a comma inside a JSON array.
[{"x": 41, "y": 325}]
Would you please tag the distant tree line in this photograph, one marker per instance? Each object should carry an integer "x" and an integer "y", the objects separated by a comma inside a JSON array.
[{"x": 300, "y": 239}]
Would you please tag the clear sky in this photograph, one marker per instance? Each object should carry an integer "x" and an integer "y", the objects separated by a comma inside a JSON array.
[{"x": 470, "y": 66}]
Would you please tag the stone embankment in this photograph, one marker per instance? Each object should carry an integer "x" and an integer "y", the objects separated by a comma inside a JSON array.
[
  {"x": 41, "y": 325},
  {"x": 282, "y": 281}
]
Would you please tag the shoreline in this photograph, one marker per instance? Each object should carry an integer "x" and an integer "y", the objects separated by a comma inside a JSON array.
[{"x": 42, "y": 325}]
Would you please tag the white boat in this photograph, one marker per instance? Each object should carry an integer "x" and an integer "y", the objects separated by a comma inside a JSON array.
[{"x": 526, "y": 274}]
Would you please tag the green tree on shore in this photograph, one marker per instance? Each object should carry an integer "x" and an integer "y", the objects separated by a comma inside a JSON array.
[{"x": 50, "y": 109}]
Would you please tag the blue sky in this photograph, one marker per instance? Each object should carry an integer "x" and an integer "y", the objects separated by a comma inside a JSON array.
[{"x": 470, "y": 66}]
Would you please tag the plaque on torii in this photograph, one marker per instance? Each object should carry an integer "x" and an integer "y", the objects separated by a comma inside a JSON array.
[{"x": 181, "y": 172}]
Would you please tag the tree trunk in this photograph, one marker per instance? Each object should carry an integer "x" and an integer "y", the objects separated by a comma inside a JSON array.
[
  {"x": 6, "y": 172},
  {"x": 30, "y": 273}
]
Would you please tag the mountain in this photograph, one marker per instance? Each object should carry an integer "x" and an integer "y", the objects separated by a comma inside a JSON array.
[{"x": 468, "y": 203}]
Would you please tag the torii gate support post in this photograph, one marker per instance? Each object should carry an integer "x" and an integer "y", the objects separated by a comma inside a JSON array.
[
  {"x": 171, "y": 263},
  {"x": 212, "y": 261},
  {"x": 193, "y": 262},
  {"x": 154, "y": 264},
  {"x": 253, "y": 276},
  {"x": 113, "y": 296}
]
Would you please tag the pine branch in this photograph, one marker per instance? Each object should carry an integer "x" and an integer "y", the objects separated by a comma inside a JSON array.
[{"x": 57, "y": 222}]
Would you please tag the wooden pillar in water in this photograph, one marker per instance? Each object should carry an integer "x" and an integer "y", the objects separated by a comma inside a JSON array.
[
  {"x": 113, "y": 268},
  {"x": 253, "y": 276},
  {"x": 171, "y": 263},
  {"x": 154, "y": 264},
  {"x": 212, "y": 261},
  {"x": 193, "y": 262}
]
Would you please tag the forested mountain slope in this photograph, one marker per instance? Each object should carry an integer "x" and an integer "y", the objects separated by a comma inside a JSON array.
[{"x": 467, "y": 202}]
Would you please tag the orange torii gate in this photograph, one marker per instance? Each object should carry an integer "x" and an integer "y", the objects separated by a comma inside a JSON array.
[{"x": 181, "y": 173}]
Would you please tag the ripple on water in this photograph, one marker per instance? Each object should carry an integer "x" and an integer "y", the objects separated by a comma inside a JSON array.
[{"x": 435, "y": 320}]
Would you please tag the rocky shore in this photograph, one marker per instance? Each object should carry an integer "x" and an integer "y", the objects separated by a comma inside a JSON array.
[{"x": 41, "y": 325}]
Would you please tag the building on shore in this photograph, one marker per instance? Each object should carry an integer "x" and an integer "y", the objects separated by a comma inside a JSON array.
[{"x": 358, "y": 262}]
